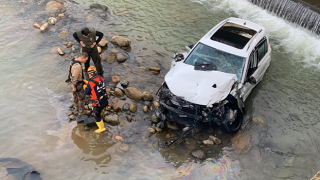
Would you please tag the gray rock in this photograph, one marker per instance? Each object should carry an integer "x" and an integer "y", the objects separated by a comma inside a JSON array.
[
  {"x": 121, "y": 57},
  {"x": 120, "y": 41},
  {"x": 153, "y": 118},
  {"x": 147, "y": 103},
  {"x": 73, "y": 49},
  {"x": 160, "y": 125},
  {"x": 123, "y": 98},
  {"x": 129, "y": 118},
  {"x": 124, "y": 83},
  {"x": 126, "y": 107},
  {"x": 112, "y": 119},
  {"x": 98, "y": 6},
  {"x": 199, "y": 154}
]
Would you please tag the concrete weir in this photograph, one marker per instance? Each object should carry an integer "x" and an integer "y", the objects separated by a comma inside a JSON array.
[{"x": 296, "y": 11}]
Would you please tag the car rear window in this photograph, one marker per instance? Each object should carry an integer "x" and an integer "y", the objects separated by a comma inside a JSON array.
[{"x": 234, "y": 35}]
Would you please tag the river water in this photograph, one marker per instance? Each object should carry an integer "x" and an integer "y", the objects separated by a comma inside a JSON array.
[{"x": 34, "y": 98}]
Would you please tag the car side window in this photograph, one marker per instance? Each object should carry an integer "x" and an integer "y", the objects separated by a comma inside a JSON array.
[
  {"x": 253, "y": 63},
  {"x": 257, "y": 54},
  {"x": 262, "y": 49}
]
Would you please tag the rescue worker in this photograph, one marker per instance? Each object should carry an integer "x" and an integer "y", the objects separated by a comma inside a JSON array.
[
  {"x": 97, "y": 90},
  {"x": 75, "y": 72},
  {"x": 87, "y": 39}
]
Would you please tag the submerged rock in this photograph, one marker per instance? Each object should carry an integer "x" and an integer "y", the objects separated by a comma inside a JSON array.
[
  {"x": 115, "y": 79},
  {"x": 133, "y": 108},
  {"x": 63, "y": 34},
  {"x": 121, "y": 41},
  {"x": 145, "y": 138},
  {"x": 215, "y": 139},
  {"x": 199, "y": 154},
  {"x": 98, "y": 6},
  {"x": 172, "y": 125},
  {"x": 44, "y": 27},
  {"x": 111, "y": 57},
  {"x": 241, "y": 143},
  {"x": 147, "y": 96},
  {"x": 112, "y": 119},
  {"x": 133, "y": 93},
  {"x": 55, "y": 6},
  {"x": 124, "y": 147},
  {"x": 121, "y": 57},
  {"x": 259, "y": 121}
]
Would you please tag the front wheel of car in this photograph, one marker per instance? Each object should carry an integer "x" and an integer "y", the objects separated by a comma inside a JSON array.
[{"x": 233, "y": 127}]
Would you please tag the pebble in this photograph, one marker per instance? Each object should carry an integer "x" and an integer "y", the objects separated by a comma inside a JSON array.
[
  {"x": 152, "y": 130},
  {"x": 115, "y": 100},
  {"x": 145, "y": 109},
  {"x": 72, "y": 117},
  {"x": 36, "y": 25},
  {"x": 158, "y": 129},
  {"x": 168, "y": 136},
  {"x": 86, "y": 128},
  {"x": 115, "y": 79},
  {"x": 119, "y": 138},
  {"x": 145, "y": 138},
  {"x": 69, "y": 113},
  {"x": 215, "y": 139},
  {"x": 129, "y": 118},
  {"x": 207, "y": 142}
]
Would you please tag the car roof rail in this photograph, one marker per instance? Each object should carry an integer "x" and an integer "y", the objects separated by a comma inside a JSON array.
[{"x": 251, "y": 40}]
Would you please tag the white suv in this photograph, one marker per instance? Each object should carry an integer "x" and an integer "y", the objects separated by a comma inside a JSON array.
[{"x": 211, "y": 82}]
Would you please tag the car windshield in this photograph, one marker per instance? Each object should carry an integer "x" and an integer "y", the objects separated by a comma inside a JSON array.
[{"x": 223, "y": 61}]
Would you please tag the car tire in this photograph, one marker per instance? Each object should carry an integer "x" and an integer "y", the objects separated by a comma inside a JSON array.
[{"x": 235, "y": 126}]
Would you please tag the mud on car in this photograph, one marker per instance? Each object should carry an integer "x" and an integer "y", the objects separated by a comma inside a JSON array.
[{"x": 211, "y": 81}]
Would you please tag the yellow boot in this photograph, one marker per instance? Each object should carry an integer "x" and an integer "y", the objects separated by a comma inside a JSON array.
[{"x": 101, "y": 127}]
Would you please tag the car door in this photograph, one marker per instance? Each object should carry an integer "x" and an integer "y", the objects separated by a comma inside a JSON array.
[{"x": 258, "y": 63}]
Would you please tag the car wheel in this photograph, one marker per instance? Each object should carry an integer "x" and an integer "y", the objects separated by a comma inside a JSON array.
[{"x": 234, "y": 126}]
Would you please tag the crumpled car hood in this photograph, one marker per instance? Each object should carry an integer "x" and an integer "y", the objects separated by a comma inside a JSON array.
[{"x": 197, "y": 86}]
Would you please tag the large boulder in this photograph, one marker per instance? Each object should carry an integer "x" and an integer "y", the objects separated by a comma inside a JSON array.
[
  {"x": 147, "y": 96},
  {"x": 112, "y": 119},
  {"x": 55, "y": 6},
  {"x": 121, "y": 41},
  {"x": 111, "y": 57},
  {"x": 121, "y": 57},
  {"x": 103, "y": 42},
  {"x": 133, "y": 93},
  {"x": 44, "y": 27}
]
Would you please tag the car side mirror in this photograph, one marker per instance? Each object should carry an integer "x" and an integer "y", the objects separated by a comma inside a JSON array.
[{"x": 252, "y": 80}]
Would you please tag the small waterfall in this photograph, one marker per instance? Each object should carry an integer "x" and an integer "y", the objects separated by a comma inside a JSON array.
[{"x": 293, "y": 11}]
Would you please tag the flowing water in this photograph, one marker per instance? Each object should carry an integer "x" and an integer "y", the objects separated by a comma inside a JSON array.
[{"x": 34, "y": 98}]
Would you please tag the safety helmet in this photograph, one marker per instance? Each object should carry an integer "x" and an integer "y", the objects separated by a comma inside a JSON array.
[{"x": 92, "y": 69}]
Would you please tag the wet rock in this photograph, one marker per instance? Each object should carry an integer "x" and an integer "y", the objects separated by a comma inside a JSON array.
[
  {"x": 115, "y": 100},
  {"x": 69, "y": 44},
  {"x": 172, "y": 125},
  {"x": 152, "y": 130},
  {"x": 103, "y": 42},
  {"x": 52, "y": 20},
  {"x": 61, "y": 15},
  {"x": 118, "y": 92},
  {"x": 147, "y": 96},
  {"x": 60, "y": 51},
  {"x": 134, "y": 119},
  {"x": 123, "y": 98},
  {"x": 142, "y": 68},
  {"x": 215, "y": 139},
  {"x": 63, "y": 34},
  {"x": 133, "y": 93},
  {"x": 102, "y": 58},
  {"x": 133, "y": 108},
  {"x": 99, "y": 49},
  {"x": 111, "y": 57},
  {"x": 112, "y": 119},
  {"x": 145, "y": 109},
  {"x": 69, "y": 113},
  {"x": 145, "y": 138},
  {"x": 120, "y": 41},
  {"x": 153, "y": 68},
  {"x": 115, "y": 79},
  {"x": 199, "y": 154},
  {"x": 129, "y": 118},
  {"x": 55, "y": 6},
  {"x": 36, "y": 25},
  {"x": 119, "y": 138},
  {"x": 259, "y": 121},
  {"x": 116, "y": 108},
  {"x": 147, "y": 103},
  {"x": 102, "y": 15},
  {"x": 121, "y": 57},
  {"x": 126, "y": 107},
  {"x": 72, "y": 117},
  {"x": 155, "y": 104},
  {"x": 168, "y": 136},
  {"x": 44, "y": 27},
  {"x": 158, "y": 129},
  {"x": 208, "y": 142},
  {"x": 99, "y": 6},
  {"x": 122, "y": 124},
  {"x": 160, "y": 125},
  {"x": 153, "y": 119},
  {"x": 108, "y": 90},
  {"x": 191, "y": 144},
  {"x": 86, "y": 128},
  {"x": 124, "y": 83},
  {"x": 124, "y": 147},
  {"x": 241, "y": 143},
  {"x": 73, "y": 49},
  {"x": 106, "y": 113},
  {"x": 25, "y": 26}
]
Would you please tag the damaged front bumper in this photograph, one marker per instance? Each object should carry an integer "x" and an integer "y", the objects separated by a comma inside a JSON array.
[{"x": 183, "y": 112}]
